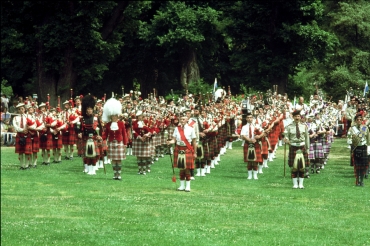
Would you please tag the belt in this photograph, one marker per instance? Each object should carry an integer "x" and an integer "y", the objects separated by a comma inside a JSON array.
[{"x": 297, "y": 144}]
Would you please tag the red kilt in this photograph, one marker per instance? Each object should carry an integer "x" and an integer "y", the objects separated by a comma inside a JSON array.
[
  {"x": 142, "y": 149},
  {"x": 257, "y": 148},
  {"x": 273, "y": 137},
  {"x": 26, "y": 149},
  {"x": 70, "y": 137},
  {"x": 292, "y": 153},
  {"x": 116, "y": 151},
  {"x": 188, "y": 154},
  {"x": 35, "y": 143},
  {"x": 80, "y": 147},
  {"x": 57, "y": 143},
  {"x": 48, "y": 144},
  {"x": 264, "y": 146}
]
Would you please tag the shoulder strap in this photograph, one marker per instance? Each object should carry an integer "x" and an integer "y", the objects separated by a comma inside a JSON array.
[{"x": 183, "y": 138}]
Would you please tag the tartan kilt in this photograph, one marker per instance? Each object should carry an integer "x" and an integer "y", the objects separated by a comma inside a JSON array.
[
  {"x": 163, "y": 139},
  {"x": 116, "y": 153},
  {"x": 142, "y": 149},
  {"x": 80, "y": 147},
  {"x": 292, "y": 153},
  {"x": 316, "y": 151},
  {"x": 273, "y": 137},
  {"x": 171, "y": 129},
  {"x": 152, "y": 147},
  {"x": 206, "y": 150},
  {"x": 48, "y": 144},
  {"x": 214, "y": 147},
  {"x": 35, "y": 143},
  {"x": 156, "y": 140},
  {"x": 223, "y": 134},
  {"x": 264, "y": 147},
  {"x": 325, "y": 146},
  {"x": 70, "y": 137},
  {"x": 220, "y": 142},
  {"x": 57, "y": 143},
  {"x": 188, "y": 154},
  {"x": 84, "y": 141},
  {"x": 257, "y": 148},
  {"x": 26, "y": 149}
]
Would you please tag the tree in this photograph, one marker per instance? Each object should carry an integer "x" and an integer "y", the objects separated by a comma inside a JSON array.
[
  {"x": 59, "y": 43},
  {"x": 271, "y": 38},
  {"x": 181, "y": 28}
]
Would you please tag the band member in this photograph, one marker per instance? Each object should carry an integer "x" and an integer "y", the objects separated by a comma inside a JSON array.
[
  {"x": 115, "y": 134},
  {"x": 252, "y": 135},
  {"x": 359, "y": 138},
  {"x": 34, "y": 134},
  {"x": 296, "y": 135},
  {"x": 142, "y": 144},
  {"x": 88, "y": 135},
  {"x": 56, "y": 127},
  {"x": 23, "y": 143},
  {"x": 69, "y": 137},
  {"x": 185, "y": 142},
  {"x": 45, "y": 134}
]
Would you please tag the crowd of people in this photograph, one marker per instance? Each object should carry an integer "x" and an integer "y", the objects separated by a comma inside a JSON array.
[{"x": 197, "y": 132}]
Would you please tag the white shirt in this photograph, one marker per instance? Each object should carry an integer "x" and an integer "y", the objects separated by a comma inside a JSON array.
[{"x": 188, "y": 132}]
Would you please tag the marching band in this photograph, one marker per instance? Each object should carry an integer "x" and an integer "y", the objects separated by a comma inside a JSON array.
[{"x": 146, "y": 127}]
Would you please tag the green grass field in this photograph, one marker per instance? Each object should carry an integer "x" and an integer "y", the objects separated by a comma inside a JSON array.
[{"x": 60, "y": 205}]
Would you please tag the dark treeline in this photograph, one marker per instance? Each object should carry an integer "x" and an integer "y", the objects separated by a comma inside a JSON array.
[{"x": 49, "y": 47}]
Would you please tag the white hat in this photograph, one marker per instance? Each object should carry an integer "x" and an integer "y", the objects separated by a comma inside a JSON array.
[
  {"x": 66, "y": 102},
  {"x": 138, "y": 113},
  {"x": 20, "y": 105}
]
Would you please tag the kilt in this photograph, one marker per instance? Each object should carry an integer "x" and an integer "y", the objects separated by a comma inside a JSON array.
[
  {"x": 188, "y": 154},
  {"x": 48, "y": 144},
  {"x": 26, "y": 149},
  {"x": 57, "y": 143},
  {"x": 257, "y": 148},
  {"x": 206, "y": 152},
  {"x": 142, "y": 149},
  {"x": 80, "y": 147},
  {"x": 156, "y": 140},
  {"x": 116, "y": 151},
  {"x": 214, "y": 150},
  {"x": 264, "y": 146},
  {"x": 223, "y": 133},
  {"x": 325, "y": 145},
  {"x": 162, "y": 138},
  {"x": 316, "y": 151},
  {"x": 220, "y": 141},
  {"x": 274, "y": 136},
  {"x": 97, "y": 151},
  {"x": 35, "y": 143},
  {"x": 292, "y": 153},
  {"x": 70, "y": 137}
]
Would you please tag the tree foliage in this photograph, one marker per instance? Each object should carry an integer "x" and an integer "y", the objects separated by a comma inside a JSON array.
[{"x": 101, "y": 46}]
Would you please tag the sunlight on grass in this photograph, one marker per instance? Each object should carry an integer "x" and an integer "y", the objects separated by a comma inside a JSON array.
[{"x": 62, "y": 206}]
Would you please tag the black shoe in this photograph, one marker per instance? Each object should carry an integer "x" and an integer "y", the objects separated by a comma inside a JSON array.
[
  {"x": 47, "y": 163},
  {"x": 66, "y": 158}
]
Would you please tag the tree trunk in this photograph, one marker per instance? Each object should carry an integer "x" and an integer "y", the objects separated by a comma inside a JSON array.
[
  {"x": 46, "y": 80},
  {"x": 68, "y": 77},
  {"x": 189, "y": 70}
]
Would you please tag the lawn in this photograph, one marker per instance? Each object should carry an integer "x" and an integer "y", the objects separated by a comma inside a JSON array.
[{"x": 60, "y": 205}]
